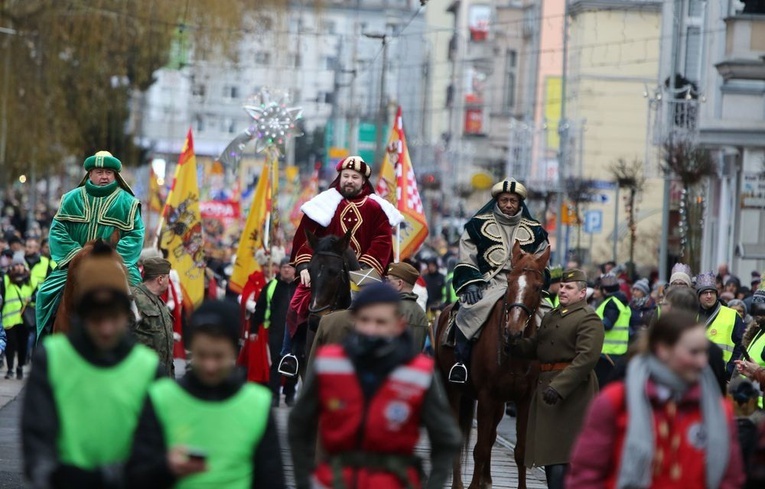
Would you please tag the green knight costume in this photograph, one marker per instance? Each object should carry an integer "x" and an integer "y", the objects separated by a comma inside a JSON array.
[
  {"x": 486, "y": 252},
  {"x": 86, "y": 213}
]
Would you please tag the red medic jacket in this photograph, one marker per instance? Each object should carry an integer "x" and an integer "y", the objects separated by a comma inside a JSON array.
[{"x": 389, "y": 423}]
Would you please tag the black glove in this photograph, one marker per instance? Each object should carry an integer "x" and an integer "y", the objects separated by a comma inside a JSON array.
[
  {"x": 472, "y": 294},
  {"x": 550, "y": 396}
]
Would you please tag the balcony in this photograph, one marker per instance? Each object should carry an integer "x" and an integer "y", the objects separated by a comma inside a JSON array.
[{"x": 744, "y": 48}]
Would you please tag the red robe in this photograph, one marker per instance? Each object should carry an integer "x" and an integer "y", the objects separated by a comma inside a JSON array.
[
  {"x": 371, "y": 220},
  {"x": 254, "y": 355}
]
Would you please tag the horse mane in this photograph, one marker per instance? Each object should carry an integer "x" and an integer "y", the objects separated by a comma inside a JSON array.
[{"x": 331, "y": 244}]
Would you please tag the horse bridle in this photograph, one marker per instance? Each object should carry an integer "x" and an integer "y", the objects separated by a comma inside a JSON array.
[
  {"x": 344, "y": 278},
  {"x": 506, "y": 308}
]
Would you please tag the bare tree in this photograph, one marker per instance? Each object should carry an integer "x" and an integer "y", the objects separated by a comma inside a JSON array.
[
  {"x": 629, "y": 176},
  {"x": 579, "y": 192},
  {"x": 691, "y": 165}
]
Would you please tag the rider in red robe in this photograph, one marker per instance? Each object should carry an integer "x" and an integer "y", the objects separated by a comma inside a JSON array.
[{"x": 349, "y": 204}]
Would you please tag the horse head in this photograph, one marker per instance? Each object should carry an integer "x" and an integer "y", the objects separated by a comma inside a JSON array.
[
  {"x": 524, "y": 290},
  {"x": 329, "y": 266}
]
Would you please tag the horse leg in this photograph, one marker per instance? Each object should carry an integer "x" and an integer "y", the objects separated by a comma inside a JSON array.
[
  {"x": 521, "y": 423},
  {"x": 455, "y": 400},
  {"x": 498, "y": 414},
  {"x": 487, "y": 434}
]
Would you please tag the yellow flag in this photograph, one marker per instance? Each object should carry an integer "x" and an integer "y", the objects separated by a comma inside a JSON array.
[
  {"x": 181, "y": 231},
  {"x": 252, "y": 235}
]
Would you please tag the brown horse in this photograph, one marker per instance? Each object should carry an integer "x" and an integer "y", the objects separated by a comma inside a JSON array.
[
  {"x": 495, "y": 376},
  {"x": 61, "y": 323}
]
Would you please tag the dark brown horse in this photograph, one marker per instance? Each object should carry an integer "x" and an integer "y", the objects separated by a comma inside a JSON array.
[
  {"x": 61, "y": 323},
  {"x": 497, "y": 377},
  {"x": 330, "y": 264}
]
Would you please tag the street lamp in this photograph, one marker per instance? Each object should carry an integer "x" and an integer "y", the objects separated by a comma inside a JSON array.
[{"x": 381, "y": 116}]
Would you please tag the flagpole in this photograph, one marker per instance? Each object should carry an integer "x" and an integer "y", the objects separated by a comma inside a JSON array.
[{"x": 398, "y": 242}]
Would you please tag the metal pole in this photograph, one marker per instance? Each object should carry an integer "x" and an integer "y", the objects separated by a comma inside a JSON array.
[
  {"x": 616, "y": 225},
  {"x": 383, "y": 115},
  {"x": 4, "y": 111},
  {"x": 353, "y": 126},
  {"x": 562, "y": 150}
]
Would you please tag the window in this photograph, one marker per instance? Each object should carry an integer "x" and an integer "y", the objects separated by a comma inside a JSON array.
[
  {"x": 511, "y": 62},
  {"x": 327, "y": 27},
  {"x": 693, "y": 54},
  {"x": 695, "y": 8},
  {"x": 231, "y": 92},
  {"x": 263, "y": 58},
  {"x": 294, "y": 60},
  {"x": 330, "y": 62},
  {"x": 199, "y": 123},
  {"x": 227, "y": 125},
  {"x": 198, "y": 90}
]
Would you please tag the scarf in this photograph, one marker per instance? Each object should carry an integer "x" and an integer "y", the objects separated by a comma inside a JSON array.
[{"x": 635, "y": 471}]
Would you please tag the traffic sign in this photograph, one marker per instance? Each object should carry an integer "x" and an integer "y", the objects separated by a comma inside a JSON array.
[
  {"x": 593, "y": 222},
  {"x": 603, "y": 185}
]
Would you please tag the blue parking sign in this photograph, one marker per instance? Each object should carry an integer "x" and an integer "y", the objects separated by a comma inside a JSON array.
[{"x": 593, "y": 222}]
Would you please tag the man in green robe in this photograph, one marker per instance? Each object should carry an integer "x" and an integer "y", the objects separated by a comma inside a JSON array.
[{"x": 101, "y": 204}]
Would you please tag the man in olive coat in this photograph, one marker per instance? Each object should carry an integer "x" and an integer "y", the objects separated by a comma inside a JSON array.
[
  {"x": 155, "y": 326},
  {"x": 402, "y": 276},
  {"x": 567, "y": 345}
]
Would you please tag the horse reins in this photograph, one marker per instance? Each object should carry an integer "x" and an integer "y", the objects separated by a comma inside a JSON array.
[
  {"x": 344, "y": 278},
  {"x": 506, "y": 308}
]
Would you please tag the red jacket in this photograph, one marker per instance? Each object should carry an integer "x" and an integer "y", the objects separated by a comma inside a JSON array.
[
  {"x": 679, "y": 460},
  {"x": 387, "y": 424}
]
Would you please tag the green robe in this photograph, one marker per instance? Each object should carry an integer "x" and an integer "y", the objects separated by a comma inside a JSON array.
[{"x": 87, "y": 213}]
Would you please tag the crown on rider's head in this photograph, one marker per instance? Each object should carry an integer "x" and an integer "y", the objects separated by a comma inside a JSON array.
[{"x": 355, "y": 163}]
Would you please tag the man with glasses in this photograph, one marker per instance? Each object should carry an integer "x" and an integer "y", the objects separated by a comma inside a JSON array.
[{"x": 724, "y": 326}]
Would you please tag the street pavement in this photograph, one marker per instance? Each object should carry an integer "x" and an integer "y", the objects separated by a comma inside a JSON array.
[{"x": 10, "y": 443}]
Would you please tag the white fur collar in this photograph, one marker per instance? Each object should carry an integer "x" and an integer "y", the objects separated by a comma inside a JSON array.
[{"x": 321, "y": 208}]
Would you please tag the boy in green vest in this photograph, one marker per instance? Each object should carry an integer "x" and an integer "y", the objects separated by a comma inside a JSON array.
[
  {"x": 86, "y": 389},
  {"x": 210, "y": 429}
]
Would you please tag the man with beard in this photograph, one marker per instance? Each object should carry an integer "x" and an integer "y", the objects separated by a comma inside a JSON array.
[
  {"x": 18, "y": 293},
  {"x": 350, "y": 204},
  {"x": 40, "y": 266},
  {"x": 371, "y": 395},
  {"x": 724, "y": 326}
]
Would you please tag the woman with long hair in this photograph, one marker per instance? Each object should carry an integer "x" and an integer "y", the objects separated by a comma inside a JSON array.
[{"x": 665, "y": 424}]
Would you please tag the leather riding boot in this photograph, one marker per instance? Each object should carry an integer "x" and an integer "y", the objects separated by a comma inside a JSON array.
[
  {"x": 556, "y": 475},
  {"x": 458, "y": 373}
]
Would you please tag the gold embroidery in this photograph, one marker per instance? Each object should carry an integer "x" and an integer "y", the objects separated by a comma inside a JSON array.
[
  {"x": 351, "y": 211},
  {"x": 496, "y": 255},
  {"x": 491, "y": 230}
]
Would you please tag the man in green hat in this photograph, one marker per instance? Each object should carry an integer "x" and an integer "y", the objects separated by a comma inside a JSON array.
[
  {"x": 101, "y": 204},
  {"x": 154, "y": 328}
]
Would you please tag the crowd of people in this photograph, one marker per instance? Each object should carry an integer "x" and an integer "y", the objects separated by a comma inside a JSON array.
[{"x": 640, "y": 383}]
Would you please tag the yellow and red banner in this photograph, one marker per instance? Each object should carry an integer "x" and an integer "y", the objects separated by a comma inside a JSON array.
[
  {"x": 181, "y": 230},
  {"x": 397, "y": 184},
  {"x": 253, "y": 233},
  {"x": 309, "y": 192}
]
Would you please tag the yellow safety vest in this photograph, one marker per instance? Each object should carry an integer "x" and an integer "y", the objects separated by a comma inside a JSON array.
[
  {"x": 617, "y": 339},
  {"x": 720, "y": 331},
  {"x": 756, "y": 347},
  {"x": 269, "y": 296},
  {"x": 39, "y": 272},
  {"x": 14, "y": 301}
]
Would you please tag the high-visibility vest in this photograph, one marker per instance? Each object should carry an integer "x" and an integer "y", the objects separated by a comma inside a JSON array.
[
  {"x": 720, "y": 331},
  {"x": 14, "y": 301},
  {"x": 269, "y": 296},
  {"x": 755, "y": 351},
  {"x": 227, "y": 431},
  {"x": 617, "y": 338},
  {"x": 448, "y": 292},
  {"x": 39, "y": 272},
  {"x": 98, "y": 407}
]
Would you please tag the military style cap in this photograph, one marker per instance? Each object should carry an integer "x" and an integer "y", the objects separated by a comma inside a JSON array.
[
  {"x": 364, "y": 277},
  {"x": 356, "y": 163},
  {"x": 404, "y": 271},
  {"x": 155, "y": 266},
  {"x": 574, "y": 275},
  {"x": 102, "y": 159},
  {"x": 510, "y": 185}
]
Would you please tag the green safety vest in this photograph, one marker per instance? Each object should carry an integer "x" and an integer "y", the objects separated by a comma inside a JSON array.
[
  {"x": 39, "y": 272},
  {"x": 448, "y": 292},
  {"x": 720, "y": 331},
  {"x": 15, "y": 300},
  {"x": 98, "y": 407},
  {"x": 554, "y": 302},
  {"x": 269, "y": 295},
  {"x": 617, "y": 339},
  {"x": 755, "y": 350},
  {"x": 226, "y": 431}
]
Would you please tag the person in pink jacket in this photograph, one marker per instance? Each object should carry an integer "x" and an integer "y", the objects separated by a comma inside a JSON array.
[{"x": 665, "y": 425}]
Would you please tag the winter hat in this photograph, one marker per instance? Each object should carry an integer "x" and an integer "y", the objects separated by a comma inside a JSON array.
[
  {"x": 511, "y": 186},
  {"x": 609, "y": 283},
  {"x": 742, "y": 390},
  {"x": 216, "y": 318},
  {"x": 756, "y": 279},
  {"x": 643, "y": 286},
  {"x": 102, "y": 281},
  {"x": 681, "y": 273},
  {"x": 381, "y": 293},
  {"x": 706, "y": 281},
  {"x": 18, "y": 259}
]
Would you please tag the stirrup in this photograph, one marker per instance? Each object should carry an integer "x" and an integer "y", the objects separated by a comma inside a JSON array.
[
  {"x": 288, "y": 366},
  {"x": 458, "y": 374}
]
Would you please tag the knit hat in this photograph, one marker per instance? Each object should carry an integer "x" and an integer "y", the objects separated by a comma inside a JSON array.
[
  {"x": 742, "y": 390},
  {"x": 375, "y": 294},
  {"x": 511, "y": 186},
  {"x": 706, "y": 281},
  {"x": 102, "y": 280},
  {"x": 216, "y": 318},
  {"x": 404, "y": 271},
  {"x": 355, "y": 163},
  {"x": 609, "y": 283},
  {"x": 757, "y": 307},
  {"x": 756, "y": 278},
  {"x": 681, "y": 273},
  {"x": 643, "y": 286},
  {"x": 18, "y": 259},
  {"x": 102, "y": 159}
]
